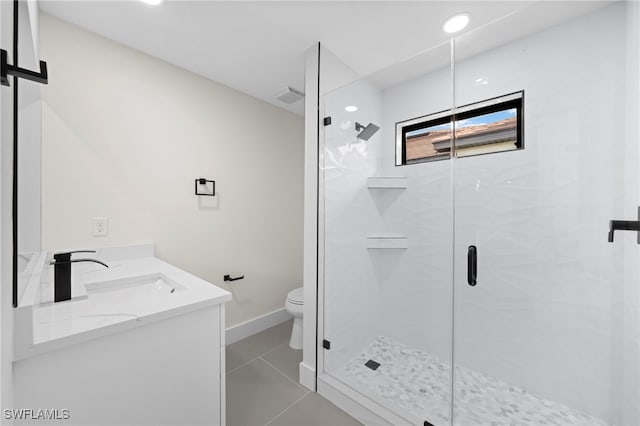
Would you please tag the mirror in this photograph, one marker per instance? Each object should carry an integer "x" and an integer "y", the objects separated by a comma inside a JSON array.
[{"x": 29, "y": 108}]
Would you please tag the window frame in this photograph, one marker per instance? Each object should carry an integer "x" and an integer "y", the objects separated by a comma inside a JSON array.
[{"x": 513, "y": 100}]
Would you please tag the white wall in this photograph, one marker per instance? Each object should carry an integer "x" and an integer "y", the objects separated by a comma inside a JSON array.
[{"x": 124, "y": 137}]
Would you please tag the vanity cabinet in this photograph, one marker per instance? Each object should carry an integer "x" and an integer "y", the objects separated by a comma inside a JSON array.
[
  {"x": 169, "y": 372},
  {"x": 156, "y": 360}
]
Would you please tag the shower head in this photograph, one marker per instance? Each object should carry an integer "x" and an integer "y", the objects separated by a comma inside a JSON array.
[{"x": 366, "y": 131}]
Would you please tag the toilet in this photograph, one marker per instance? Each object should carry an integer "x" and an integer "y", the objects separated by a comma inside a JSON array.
[{"x": 294, "y": 305}]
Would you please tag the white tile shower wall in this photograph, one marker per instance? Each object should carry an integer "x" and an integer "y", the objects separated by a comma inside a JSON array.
[
  {"x": 543, "y": 315},
  {"x": 351, "y": 293},
  {"x": 540, "y": 216},
  {"x": 416, "y": 285}
]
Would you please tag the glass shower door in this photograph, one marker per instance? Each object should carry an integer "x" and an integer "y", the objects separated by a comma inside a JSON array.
[
  {"x": 545, "y": 325},
  {"x": 387, "y": 244}
]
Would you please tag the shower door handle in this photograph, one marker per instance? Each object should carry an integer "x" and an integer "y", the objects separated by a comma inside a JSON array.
[
  {"x": 625, "y": 225},
  {"x": 472, "y": 265}
]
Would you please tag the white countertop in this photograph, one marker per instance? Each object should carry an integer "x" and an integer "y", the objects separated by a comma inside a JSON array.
[{"x": 56, "y": 325}]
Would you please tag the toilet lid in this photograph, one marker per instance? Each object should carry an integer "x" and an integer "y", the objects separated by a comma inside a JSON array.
[{"x": 295, "y": 296}]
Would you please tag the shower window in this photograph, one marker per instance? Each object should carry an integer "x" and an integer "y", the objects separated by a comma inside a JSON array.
[{"x": 486, "y": 127}]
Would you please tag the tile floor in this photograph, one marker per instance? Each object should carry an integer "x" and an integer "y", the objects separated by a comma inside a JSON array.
[{"x": 263, "y": 388}]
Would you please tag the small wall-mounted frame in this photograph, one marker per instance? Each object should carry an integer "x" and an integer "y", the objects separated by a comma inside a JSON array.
[{"x": 203, "y": 185}]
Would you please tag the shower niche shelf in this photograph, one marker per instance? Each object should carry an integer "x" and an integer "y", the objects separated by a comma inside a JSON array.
[
  {"x": 387, "y": 182},
  {"x": 387, "y": 242}
]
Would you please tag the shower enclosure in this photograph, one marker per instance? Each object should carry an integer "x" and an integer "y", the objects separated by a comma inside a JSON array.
[{"x": 465, "y": 275}]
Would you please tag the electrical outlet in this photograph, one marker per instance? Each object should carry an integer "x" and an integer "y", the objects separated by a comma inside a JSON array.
[{"x": 100, "y": 226}]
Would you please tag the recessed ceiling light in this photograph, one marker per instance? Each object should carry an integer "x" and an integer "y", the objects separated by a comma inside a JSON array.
[
  {"x": 456, "y": 23},
  {"x": 153, "y": 2},
  {"x": 351, "y": 108}
]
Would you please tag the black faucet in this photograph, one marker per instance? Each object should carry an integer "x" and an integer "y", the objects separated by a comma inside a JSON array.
[{"x": 62, "y": 273}]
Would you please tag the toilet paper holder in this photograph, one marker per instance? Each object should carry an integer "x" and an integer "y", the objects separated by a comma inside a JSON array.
[{"x": 229, "y": 278}]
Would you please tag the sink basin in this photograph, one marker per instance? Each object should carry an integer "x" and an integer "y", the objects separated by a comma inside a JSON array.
[{"x": 148, "y": 288}]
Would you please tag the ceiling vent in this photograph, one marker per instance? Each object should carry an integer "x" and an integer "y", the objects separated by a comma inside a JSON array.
[{"x": 289, "y": 95}]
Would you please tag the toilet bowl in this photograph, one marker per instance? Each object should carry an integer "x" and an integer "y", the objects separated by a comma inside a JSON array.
[{"x": 294, "y": 305}]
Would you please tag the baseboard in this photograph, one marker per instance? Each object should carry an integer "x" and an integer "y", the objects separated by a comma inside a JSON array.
[
  {"x": 307, "y": 376},
  {"x": 256, "y": 325}
]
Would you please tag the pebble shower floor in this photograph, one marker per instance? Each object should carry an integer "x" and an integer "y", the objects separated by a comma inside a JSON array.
[{"x": 418, "y": 382}]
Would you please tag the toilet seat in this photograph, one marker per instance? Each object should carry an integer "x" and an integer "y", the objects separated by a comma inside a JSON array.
[{"x": 295, "y": 296}]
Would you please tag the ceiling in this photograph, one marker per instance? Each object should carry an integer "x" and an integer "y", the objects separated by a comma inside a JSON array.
[{"x": 258, "y": 47}]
